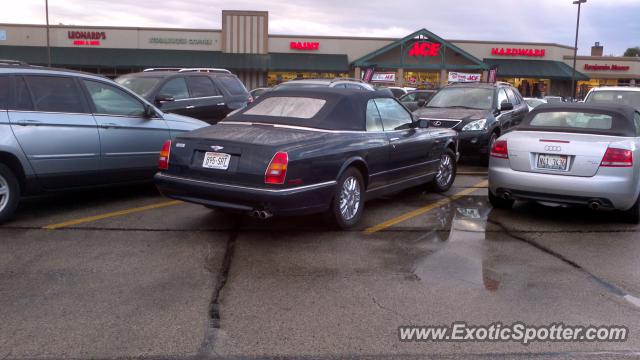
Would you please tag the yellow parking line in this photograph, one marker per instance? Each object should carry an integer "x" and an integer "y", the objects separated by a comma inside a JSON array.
[
  {"x": 417, "y": 212},
  {"x": 110, "y": 215}
]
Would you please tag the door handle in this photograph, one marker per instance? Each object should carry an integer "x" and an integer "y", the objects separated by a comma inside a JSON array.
[
  {"x": 29, "y": 122},
  {"x": 190, "y": 107},
  {"x": 394, "y": 139},
  {"x": 109, "y": 126}
]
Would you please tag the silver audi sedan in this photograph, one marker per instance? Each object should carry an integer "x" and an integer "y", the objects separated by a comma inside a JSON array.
[{"x": 571, "y": 154}]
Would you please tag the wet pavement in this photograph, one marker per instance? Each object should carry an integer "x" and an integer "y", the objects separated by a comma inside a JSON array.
[{"x": 181, "y": 281}]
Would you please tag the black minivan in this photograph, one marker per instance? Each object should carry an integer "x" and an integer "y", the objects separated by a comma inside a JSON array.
[{"x": 199, "y": 93}]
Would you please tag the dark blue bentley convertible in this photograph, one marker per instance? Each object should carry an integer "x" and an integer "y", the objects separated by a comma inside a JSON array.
[{"x": 308, "y": 151}]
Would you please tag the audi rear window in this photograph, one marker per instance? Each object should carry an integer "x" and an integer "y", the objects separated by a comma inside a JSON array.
[
  {"x": 289, "y": 107},
  {"x": 572, "y": 120}
]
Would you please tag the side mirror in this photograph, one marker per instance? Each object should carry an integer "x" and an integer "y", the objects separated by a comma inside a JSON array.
[
  {"x": 422, "y": 102},
  {"x": 506, "y": 106},
  {"x": 163, "y": 98},
  {"x": 423, "y": 123}
]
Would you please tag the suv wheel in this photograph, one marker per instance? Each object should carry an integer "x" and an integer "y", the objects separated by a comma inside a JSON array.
[{"x": 9, "y": 193}]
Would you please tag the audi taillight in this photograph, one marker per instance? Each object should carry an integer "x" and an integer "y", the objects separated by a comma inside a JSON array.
[
  {"x": 500, "y": 149},
  {"x": 617, "y": 158},
  {"x": 163, "y": 160},
  {"x": 277, "y": 169}
]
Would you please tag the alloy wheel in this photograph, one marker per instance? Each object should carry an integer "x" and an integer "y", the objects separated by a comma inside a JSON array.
[
  {"x": 4, "y": 193},
  {"x": 445, "y": 170},
  {"x": 350, "y": 198}
]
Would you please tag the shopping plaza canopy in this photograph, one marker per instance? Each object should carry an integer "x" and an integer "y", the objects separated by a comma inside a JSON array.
[
  {"x": 133, "y": 58},
  {"x": 542, "y": 69}
]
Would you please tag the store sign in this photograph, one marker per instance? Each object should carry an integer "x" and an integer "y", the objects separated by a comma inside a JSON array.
[
  {"x": 86, "y": 38},
  {"x": 368, "y": 75},
  {"x": 463, "y": 77},
  {"x": 518, "y": 52},
  {"x": 424, "y": 48},
  {"x": 589, "y": 67},
  {"x": 384, "y": 77},
  {"x": 306, "y": 45},
  {"x": 180, "y": 41}
]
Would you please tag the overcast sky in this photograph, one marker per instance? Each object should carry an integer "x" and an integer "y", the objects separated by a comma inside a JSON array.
[{"x": 615, "y": 23}]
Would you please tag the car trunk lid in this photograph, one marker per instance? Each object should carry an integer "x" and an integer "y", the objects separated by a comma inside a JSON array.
[
  {"x": 233, "y": 153},
  {"x": 558, "y": 153}
]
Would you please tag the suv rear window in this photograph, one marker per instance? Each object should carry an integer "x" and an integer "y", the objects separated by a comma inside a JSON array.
[
  {"x": 575, "y": 120},
  {"x": 631, "y": 98},
  {"x": 201, "y": 86},
  {"x": 233, "y": 85},
  {"x": 291, "y": 107},
  {"x": 4, "y": 92}
]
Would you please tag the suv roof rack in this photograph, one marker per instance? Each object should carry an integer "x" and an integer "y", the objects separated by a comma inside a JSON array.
[
  {"x": 211, "y": 70},
  {"x": 347, "y": 79},
  {"x": 13, "y": 62}
]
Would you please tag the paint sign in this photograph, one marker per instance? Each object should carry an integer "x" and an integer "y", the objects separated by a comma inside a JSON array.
[
  {"x": 463, "y": 77},
  {"x": 389, "y": 77}
]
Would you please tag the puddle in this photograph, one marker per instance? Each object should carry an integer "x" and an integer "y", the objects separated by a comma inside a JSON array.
[{"x": 465, "y": 258}]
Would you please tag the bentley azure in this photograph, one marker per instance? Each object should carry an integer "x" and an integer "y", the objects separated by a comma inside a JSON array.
[{"x": 306, "y": 151}]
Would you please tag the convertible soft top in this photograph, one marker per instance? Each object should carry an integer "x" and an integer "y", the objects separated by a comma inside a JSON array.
[
  {"x": 623, "y": 123},
  {"x": 345, "y": 109}
]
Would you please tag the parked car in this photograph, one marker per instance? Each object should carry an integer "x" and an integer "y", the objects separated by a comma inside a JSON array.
[
  {"x": 417, "y": 99},
  {"x": 554, "y": 99},
  {"x": 577, "y": 154},
  {"x": 206, "y": 95},
  {"x": 305, "y": 151},
  {"x": 615, "y": 94},
  {"x": 62, "y": 129},
  {"x": 338, "y": 83},
  {"x": 257, "y": 92},
  {"x": 532, "y": 103},
  {"x": 400, "y": 91},
  {"x": 480, "y": 112}
]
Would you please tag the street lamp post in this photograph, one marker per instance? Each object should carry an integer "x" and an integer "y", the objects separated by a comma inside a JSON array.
[
  {"x": 575, "y": 50},
  {"x": 46, "y": 9}
]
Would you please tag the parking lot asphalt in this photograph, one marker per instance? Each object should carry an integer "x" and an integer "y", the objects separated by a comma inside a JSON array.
[{"x": 125, "y": 273}]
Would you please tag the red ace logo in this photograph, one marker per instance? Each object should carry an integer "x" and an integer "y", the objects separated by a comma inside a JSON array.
[{"x": 424, "y": 49}]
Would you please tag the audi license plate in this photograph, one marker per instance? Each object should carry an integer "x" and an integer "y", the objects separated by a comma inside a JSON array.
[
  {"x": 214, "y": 160},
  {"x": 552, "y": 162}
]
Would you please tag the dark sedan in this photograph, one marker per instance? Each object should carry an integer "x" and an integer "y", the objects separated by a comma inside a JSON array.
[{"x": 308, "y": 151}]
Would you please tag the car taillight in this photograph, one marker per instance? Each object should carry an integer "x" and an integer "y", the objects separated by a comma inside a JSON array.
[
  {"x": 617, "y": 158},
  {"x": 163, "y": 160},
  {"x": 500, "y": 149},
  {"x": 277, "y": 169}
]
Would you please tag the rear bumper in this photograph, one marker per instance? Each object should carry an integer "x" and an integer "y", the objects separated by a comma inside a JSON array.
[
  {"x": 298, "y": 200},
  {"x": 611, "y": 191}
]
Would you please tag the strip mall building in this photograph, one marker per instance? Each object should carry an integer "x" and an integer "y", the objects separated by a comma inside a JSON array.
[{"x": 244, "y": 46}]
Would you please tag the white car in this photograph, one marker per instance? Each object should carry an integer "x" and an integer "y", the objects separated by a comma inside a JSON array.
[
  {"x": 571, "y": 154},
  {"x": 615, "y": 94}
]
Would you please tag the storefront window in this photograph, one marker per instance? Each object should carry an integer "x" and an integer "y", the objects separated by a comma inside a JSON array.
[
  {"x": 278, "y": 77},
  {"x": 422, "y": 80},
  {"x": 530, "y": 87}
]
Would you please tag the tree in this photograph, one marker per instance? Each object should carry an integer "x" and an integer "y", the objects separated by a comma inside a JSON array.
[{"x": 633, "y": 51}]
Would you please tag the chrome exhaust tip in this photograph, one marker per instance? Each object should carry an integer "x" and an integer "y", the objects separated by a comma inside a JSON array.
[
  {"x": 260, "y": 214},
  {"x": 594, "y": 205},
  {"x": 506, "y": 195}
]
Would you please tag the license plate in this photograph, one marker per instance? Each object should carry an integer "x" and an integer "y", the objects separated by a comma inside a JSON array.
[
  {"x": 214, "y": 160},
  {"x": 552, "y": 162}
]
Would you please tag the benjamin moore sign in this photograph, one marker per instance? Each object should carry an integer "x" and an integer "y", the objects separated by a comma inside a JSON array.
[{"x": 180, "y": 41}]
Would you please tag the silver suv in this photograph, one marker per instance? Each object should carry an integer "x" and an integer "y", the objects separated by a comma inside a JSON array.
[{"x": 63, "y": 129}]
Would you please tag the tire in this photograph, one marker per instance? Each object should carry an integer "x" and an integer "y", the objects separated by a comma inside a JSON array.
[
  {"x": 347, "y": 205},
  {"x": 9, "y": 193},
  {"x": 492, "y": 139},
  {"x": 632, "y": 216},
  {"x": 499, "y": 203},
  {"x": 446, "y": 174}
]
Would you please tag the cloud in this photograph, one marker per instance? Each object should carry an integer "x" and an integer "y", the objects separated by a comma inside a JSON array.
[{"x": 613, "y": 23}]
